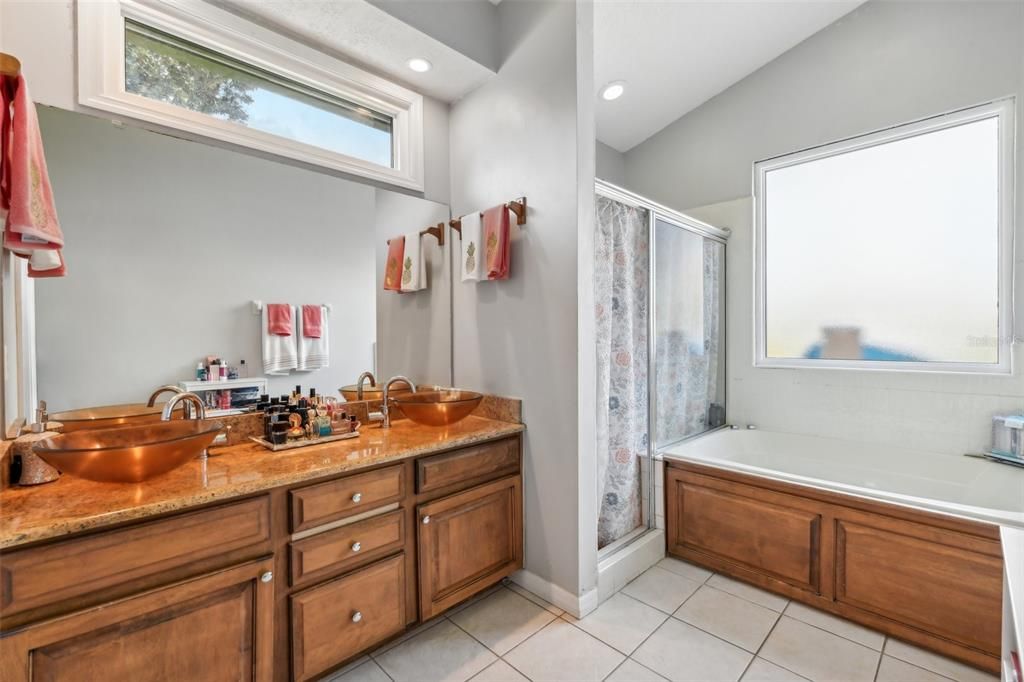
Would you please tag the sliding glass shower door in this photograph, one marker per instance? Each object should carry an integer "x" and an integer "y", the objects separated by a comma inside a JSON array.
[{"x": 659, "y": 314}]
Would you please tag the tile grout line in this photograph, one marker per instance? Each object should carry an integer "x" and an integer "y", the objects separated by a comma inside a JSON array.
[{"x": 878, "y": 666}]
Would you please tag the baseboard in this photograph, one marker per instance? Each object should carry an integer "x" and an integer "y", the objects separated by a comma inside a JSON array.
[{"x": 576, "y": 605}]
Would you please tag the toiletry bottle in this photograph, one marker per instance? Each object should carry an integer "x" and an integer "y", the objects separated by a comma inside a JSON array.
[
  {"x": 243, "y": 370},
  {"x": 200, "y": 371},
  {"x": 223, "y": 372}
]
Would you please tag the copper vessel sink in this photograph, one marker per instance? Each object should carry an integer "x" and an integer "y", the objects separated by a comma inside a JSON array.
[
  {"x": 437, "y": 408},
  {"x": 128, "y": 454},
  {"x": 108, "y": 416},
  {"x": 351, "y": 393}
]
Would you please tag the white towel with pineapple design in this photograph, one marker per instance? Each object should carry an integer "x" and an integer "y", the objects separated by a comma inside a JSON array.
[
  {"x": 414, "y": 271},
  {"x": 472, "y": 255}
]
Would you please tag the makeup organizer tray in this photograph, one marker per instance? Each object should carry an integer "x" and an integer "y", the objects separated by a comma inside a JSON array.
[{"x": 303, "y": 442}]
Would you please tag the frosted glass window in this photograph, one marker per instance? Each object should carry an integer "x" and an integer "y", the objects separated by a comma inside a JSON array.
[{"x": 888, "y": 250}]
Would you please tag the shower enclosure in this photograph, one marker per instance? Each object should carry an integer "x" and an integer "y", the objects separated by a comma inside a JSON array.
[{"x": 660, "y": 304}]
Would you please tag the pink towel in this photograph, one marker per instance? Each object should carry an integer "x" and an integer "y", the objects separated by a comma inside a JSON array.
[
  {"x": 393, "y": 265},
  {"x": 312, "y": 321},
  {"x": 31, "y": 228},
  {"x": 496, "y": 236},
  {"x": 279, "y": 319}
]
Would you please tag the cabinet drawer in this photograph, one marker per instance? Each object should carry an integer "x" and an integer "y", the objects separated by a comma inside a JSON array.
[
  {"x": 63, "y": 571},
  {"x": 468, "y": 465},
  {"x": 337, "y": 620},
  {"x": 322, "y": 503},
  {"x": 346, "y": 547}
]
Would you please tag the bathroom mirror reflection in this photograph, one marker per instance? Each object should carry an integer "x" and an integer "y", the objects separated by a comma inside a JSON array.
[{"x": 169, "y": 243}]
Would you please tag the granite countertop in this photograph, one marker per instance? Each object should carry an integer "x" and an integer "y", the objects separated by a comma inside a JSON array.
[{"x": 72, "y": 505}]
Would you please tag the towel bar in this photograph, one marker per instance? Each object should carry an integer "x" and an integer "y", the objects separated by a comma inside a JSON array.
[
  {"x": 517, "y": 206},
  {"x": 436, "y": 230},
  {"x": 257, "y": 307}
]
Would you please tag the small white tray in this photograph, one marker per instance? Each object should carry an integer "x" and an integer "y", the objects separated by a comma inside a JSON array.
[{"x": 304, "y": 442}]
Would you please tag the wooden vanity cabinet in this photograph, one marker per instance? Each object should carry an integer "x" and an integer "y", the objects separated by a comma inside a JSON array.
[
  {"x": 288, "y": 584},
  {"x": 929, "y": 579},
  {"x": 215, "y": 627}
]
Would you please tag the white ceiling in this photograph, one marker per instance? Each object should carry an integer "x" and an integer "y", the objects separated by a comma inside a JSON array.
[
  {"x": 358, "y": 32},
  {"x": 675, "y": 55}
]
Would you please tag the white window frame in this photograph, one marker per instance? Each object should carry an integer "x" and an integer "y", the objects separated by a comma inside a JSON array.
[
  {"x": 101, "y": 30},
  {"x": 1003, "y": 111}
]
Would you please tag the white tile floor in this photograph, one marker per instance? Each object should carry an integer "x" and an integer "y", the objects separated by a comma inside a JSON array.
[{"x": 674, "y": 622}]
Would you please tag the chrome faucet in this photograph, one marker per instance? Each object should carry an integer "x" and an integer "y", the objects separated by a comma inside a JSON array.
[
  {"x": 359, "y": 383},
  {"x": 162, "y": 389},
  {"x": 189, "y": 399},
  {"x": 384, "y": 409}
]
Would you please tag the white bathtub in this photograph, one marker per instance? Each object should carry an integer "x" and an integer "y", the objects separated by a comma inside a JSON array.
[{"x": 960, "y": 486}]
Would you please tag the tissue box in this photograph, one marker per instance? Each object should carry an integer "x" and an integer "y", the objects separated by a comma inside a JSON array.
[{"x": 1008, "y": 436}]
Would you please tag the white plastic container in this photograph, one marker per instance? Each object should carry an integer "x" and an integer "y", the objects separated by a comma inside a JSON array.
[{"x": 1008, "y": 435}]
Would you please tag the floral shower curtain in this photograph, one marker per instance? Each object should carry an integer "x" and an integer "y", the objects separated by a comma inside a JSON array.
[{"x": 621, "y": 269}]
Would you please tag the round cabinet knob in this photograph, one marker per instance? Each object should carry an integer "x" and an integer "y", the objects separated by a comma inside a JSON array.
[
  {"x": 356, "y": 617},
  {"x": 267, "y": 577},
  {"x": 357, "y": 497},
  {"x": 426, "y": 519},
  {"x": 356, "y": 546}
]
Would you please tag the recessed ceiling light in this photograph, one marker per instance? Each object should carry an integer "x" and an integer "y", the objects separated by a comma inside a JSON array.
[
  {"x": 613, "y": 90},
  {"x": 419, "y": 65}
]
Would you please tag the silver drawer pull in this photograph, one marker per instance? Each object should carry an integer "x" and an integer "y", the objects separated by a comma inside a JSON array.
[
  {"x": 357, "y": 616},
  {"x": 267, "y": 577},
  {"x": 357, "y": 498},
  {"x": 426, "y": 519},
  {"x": 356, "y": 546}
]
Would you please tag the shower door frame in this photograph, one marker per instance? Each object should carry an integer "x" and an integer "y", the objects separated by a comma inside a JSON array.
[{"x": 655, "y": 212}]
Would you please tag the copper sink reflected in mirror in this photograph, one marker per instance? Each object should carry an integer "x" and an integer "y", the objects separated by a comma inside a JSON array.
[
  {"x": 108, "y": 416},
  {"x": 128, "y": 454},
  {"x": 351, "y": 393},
  {"x": 437, "y": 408}
]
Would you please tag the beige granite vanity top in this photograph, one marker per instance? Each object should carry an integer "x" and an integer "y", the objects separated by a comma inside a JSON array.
[{"x": 72, "y": 505}]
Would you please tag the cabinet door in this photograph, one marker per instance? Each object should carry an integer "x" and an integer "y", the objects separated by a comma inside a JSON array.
[
  {"x": 467, "y": 542},
  {"x": 737, "y": 526},
  {"x": 218, "y": 627}
]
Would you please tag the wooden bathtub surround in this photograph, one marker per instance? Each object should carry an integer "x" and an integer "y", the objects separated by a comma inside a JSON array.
[
  {"x": 932, "y": 580},
  {"x": 288, "y": 582}
]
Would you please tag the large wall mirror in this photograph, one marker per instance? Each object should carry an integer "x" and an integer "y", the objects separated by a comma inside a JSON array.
[
  {"x": 169, "y": 243},
  {"x": 891, "y": 250}
]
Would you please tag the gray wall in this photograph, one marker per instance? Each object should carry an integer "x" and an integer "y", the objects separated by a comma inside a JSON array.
[
  {"x": 169, "y": 241},
  {"x": 611, "y": 164},
  {"x": 414, "y": 330},
  {"x": 884, "y": 64},
  {"x": 518, "y": 337}
]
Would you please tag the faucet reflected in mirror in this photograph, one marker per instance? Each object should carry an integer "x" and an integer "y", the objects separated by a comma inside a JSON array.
[{"x": 359, "y": 383}]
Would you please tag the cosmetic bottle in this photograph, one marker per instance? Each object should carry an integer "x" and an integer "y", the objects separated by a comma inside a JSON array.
[
  {"x": 223, "y": 372},
  {"x": 200, "y": 371},
  {"x": 243, "y": 369}
]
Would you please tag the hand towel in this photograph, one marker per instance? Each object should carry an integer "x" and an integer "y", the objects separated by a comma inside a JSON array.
[
  {"x": 414, "y": 272},
  {"x": 314, "y": 352},
  {"x": 26, "y": 197},
  {"x": 280, "y": 354},
  {"x": 280, "y": 319},
  {"x": 312, "y": 321},
  {"x": 496, "y": 242},
  {"x": 393, "y": 264},
  {"x": 472, "y": 258}
]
